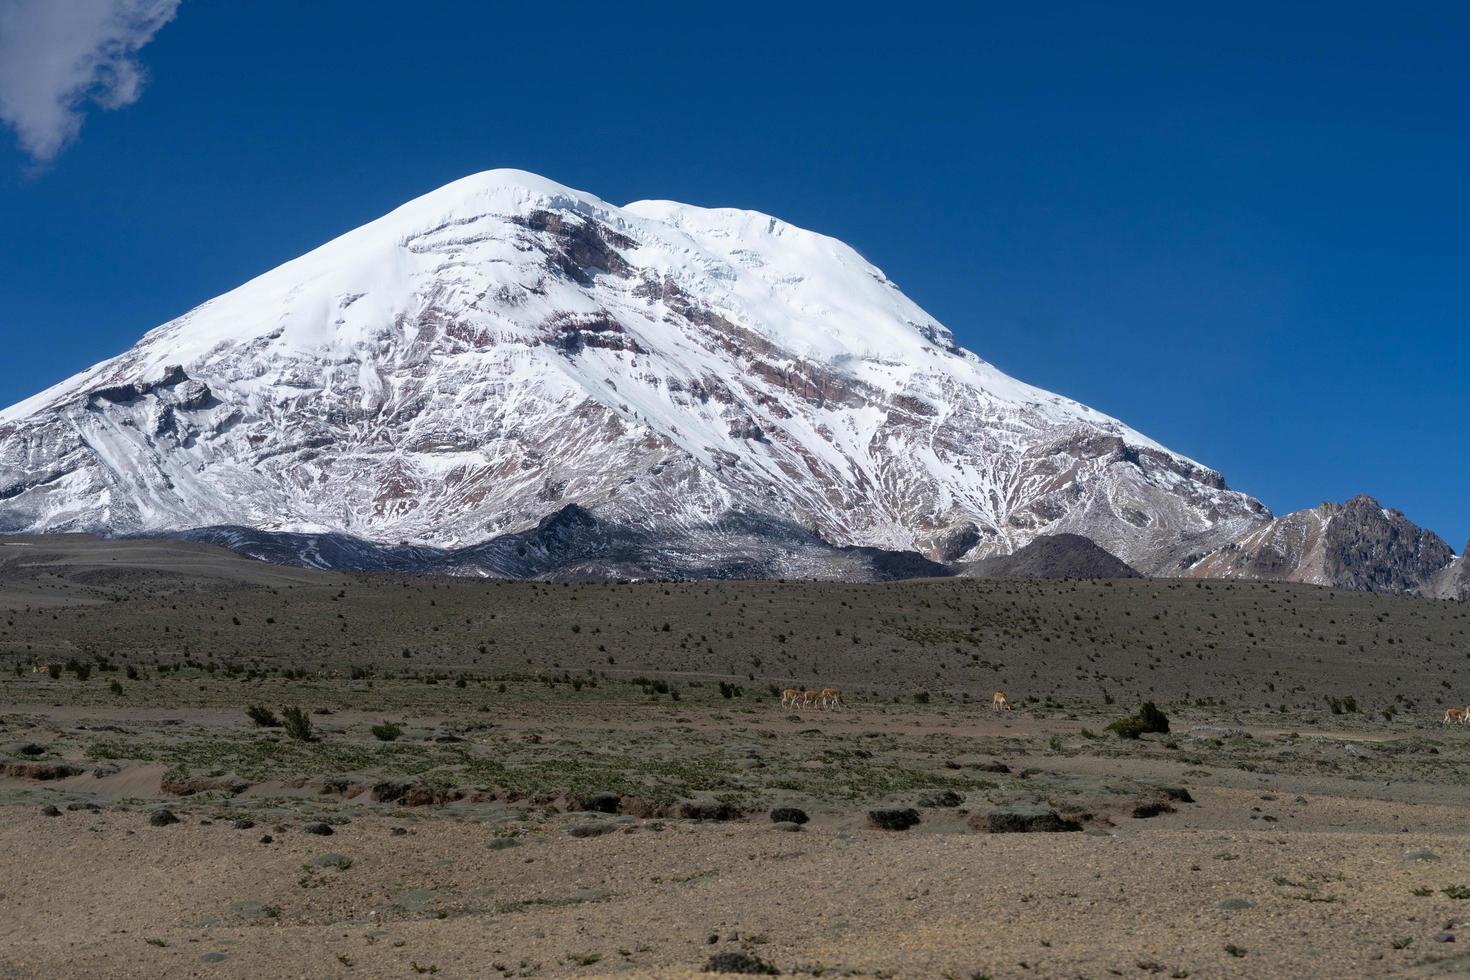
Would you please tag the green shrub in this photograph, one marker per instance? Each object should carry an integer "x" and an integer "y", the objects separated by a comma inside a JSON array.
[
  {"x": 1148, "y": 719},
  {"x": 1153, "y": 719},
  {"x": 297, "y": 723},
  {"x": 263, "y": 717},
  {"x": 387, "y": 732},
  {"x": 1130, "y": 727}
]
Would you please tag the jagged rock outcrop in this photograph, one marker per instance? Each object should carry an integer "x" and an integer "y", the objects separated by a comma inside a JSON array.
[{"x": 1359, "y": 545}]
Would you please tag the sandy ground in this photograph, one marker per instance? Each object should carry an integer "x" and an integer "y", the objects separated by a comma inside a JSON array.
[
  {"x": 105, "y": 894},
  {"x": 1264, "y": 875},
  {"x": 1327, "y": 834}
]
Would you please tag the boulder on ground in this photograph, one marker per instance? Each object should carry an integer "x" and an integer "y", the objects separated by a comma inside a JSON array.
[
  {"x": 594, "y": 802},
  {"x": 415, "y": 794},
  {"x": 735, "y": 961},
  {"x": 1023, "y": 818},
  {"x": 1151, "y": 808},
  {"x": 940, "y": 798},
  {"x": 591, "y": 828},
  {"x": 709, "y": 810},
  {"x": 893, "y": 818}
]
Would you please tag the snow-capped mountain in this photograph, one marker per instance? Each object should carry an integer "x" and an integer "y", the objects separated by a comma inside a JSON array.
[{"x": 500, "y": 348}]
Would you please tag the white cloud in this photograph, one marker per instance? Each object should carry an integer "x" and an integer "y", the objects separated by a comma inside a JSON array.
[{"x": 58, "y": 55}]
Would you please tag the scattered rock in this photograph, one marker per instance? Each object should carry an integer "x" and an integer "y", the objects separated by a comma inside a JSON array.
[
  {"x": 243, "y": 823},
  {"x": 789, "y": 814},
  {"x": 162, "y": 818},
  {"x": 49, "y": 810},
  {"x": 1234, "y": 904},
  {"x": 40, "y": 771},
  {"x": 1422, "y": 854},
  {"x": 332, "y": 860},
  {"x": 1444, "y": 937},
  {"x": 940, "y": 798},
  {"x": 734, "y": 961},
  {"x": 415, "y": 794},
  {"x": 591, "y": 829},
  {"x": 318, "y": 827},
  {"x": 267, "y": 839},
  {"x": 1024, "y": 818},
  {"x": 398, "y": 831},
  {"x": 1176, "y": 793},
  {"x": 178, "y": 783},
  {"x": 1153, "y": 808},
  {"x": 88, "y": 807},
  {"x": 999, "y": 767},
  {"x": 709, "y": 810},
  {"x": 595, "y": 802},
  {"x": 893, "y": 818}
]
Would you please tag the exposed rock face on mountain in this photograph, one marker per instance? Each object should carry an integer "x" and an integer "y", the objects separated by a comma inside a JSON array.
[
  {"x": 1358, "y": 545},
  {"x": 478, "y": 359},
  {"x": 1453, "y": 581},
  {"x": 1053, "y": 556},
  {"x": 574, "y": 544}
]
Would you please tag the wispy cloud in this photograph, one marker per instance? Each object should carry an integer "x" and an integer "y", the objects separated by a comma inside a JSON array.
[{"x": 56, "y": 56}]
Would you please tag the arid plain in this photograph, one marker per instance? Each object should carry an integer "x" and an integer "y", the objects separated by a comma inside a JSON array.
[{"x": 530, "y": 779}]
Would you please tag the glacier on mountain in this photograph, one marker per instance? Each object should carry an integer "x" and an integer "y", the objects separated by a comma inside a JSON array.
[{"x": 504, "y": 347}]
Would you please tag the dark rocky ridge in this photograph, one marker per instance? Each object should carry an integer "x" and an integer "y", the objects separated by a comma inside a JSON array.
[
  {"x": 574, "y": 544},
  {"x": 1053, "y": 556}
]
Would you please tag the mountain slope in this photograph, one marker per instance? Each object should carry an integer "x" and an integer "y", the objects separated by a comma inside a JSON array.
[
  {"x": 1359, "y": 545},
  {"x": 486, "y": 354}
]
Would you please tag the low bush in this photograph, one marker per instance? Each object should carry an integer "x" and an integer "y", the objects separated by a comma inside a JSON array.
[
  {"x": 263, "y": 717},
  {"x": 297, "y": 724},
  {"x": 1148, "y": 719}
]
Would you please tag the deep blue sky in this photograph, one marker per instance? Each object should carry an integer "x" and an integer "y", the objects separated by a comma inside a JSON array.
[{"x": 1246, "y": 233}]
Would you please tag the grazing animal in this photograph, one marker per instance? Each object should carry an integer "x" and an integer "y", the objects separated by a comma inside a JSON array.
[
  {"x": 831, "y": 697},
  {"x": 998, "y": 702},
  {"x": 41, "y": 669},
  {"x": 790, "y": 696},
  {"x": 1454, "y": 716},
  {"x": 810, "y": 699},
  {"x": 1465, "y": 716}
]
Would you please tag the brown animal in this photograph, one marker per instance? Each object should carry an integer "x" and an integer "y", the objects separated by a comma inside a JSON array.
[
  {"x": 789, "y": 697},
  {"x": 1454, "y": 716},
  {"x": 831, "y": 697},
  {"x": 998, "y": 702},
  {"x": 41, "y": 669}
]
